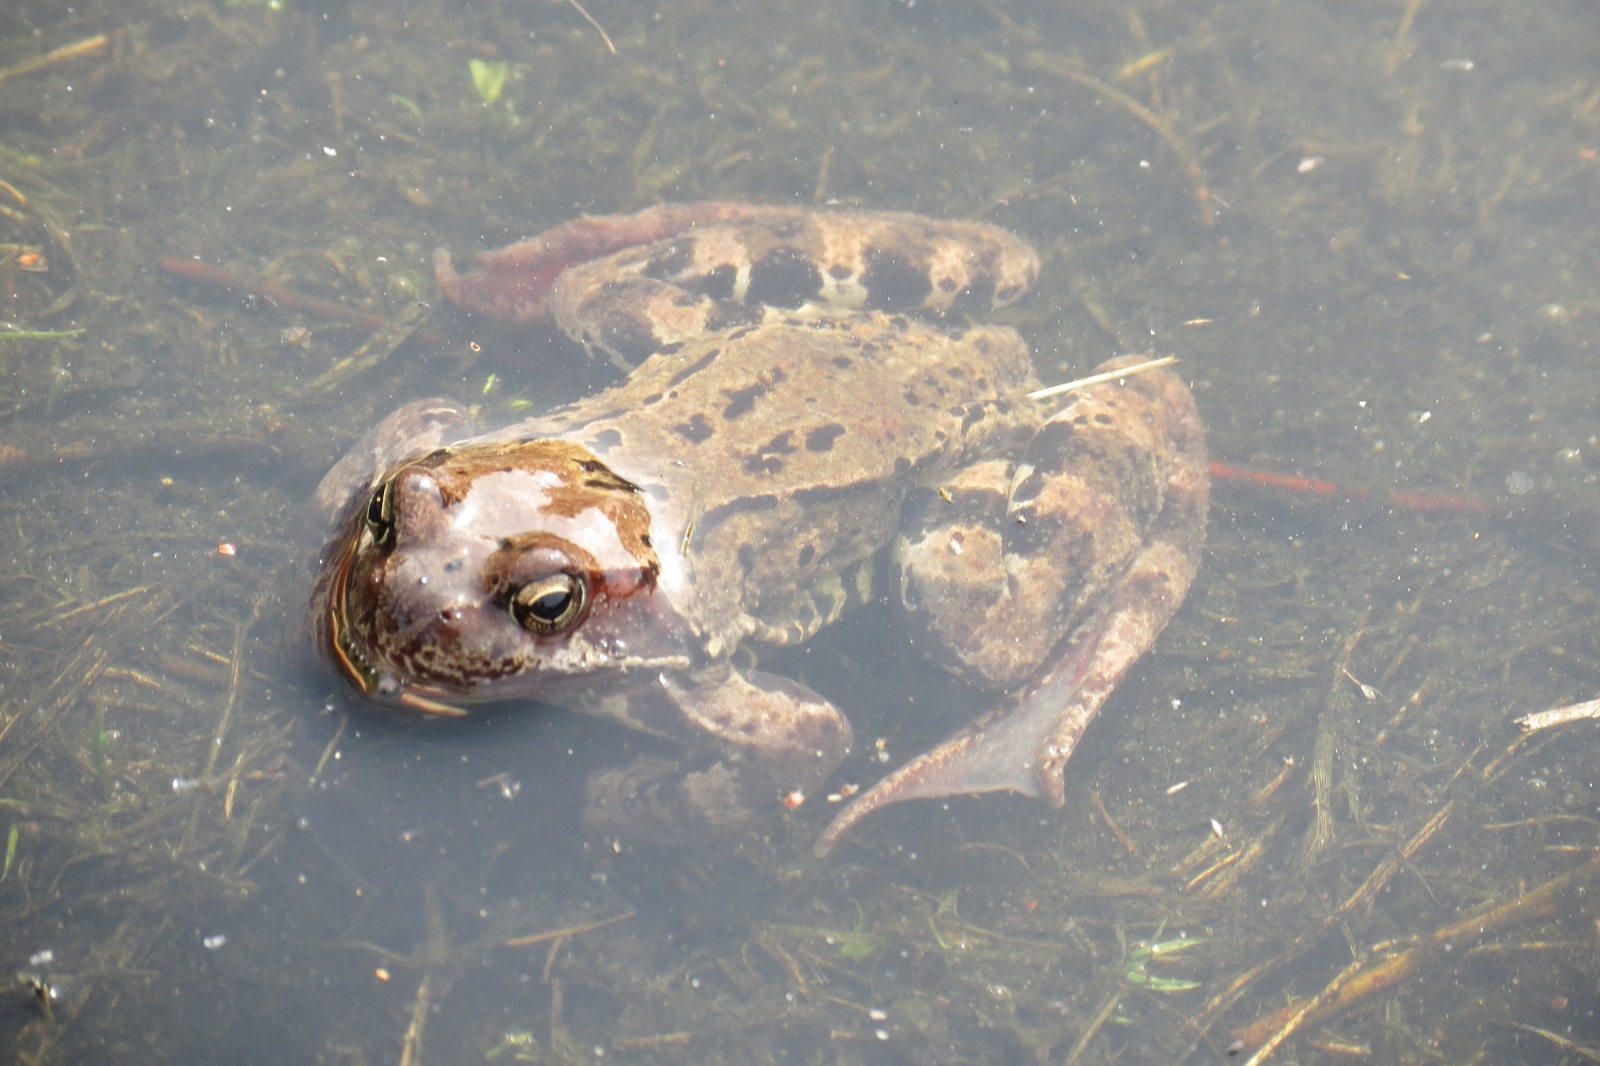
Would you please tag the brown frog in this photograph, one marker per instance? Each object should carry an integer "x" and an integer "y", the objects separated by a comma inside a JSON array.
[{"x": 809, "y": 393}]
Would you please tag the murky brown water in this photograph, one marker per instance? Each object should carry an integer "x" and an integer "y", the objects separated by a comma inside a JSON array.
[{"x": 1368, "y": 230}]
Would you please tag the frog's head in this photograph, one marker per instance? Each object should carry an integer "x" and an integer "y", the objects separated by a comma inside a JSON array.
[{"x": 494, "y": 570}]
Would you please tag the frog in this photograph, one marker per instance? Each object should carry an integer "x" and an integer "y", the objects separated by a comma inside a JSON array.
[{"x": 815, "y": 403}]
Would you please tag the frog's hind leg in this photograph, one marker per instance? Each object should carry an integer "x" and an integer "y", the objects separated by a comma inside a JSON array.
[
  {"x": 1024, "y": 744},
  {"x": 1000, "y": 752}
]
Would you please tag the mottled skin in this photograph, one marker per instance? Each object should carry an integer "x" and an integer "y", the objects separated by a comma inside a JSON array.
[{"x": 806, "y": 386}]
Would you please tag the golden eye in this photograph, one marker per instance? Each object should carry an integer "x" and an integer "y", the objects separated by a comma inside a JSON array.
[
  {"x": 380, "y": 515},
  {"x": 550, "y": 604}
]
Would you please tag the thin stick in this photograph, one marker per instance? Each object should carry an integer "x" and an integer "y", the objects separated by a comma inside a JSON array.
[
  {"x": 1295, "y": 1020},
  {"x": 1116, "y": 830},
  {"x": 39, "y": 334},
  {"x": 1109, "y": 375},
  {"x": 87, "y": 46},
  {"x": 430, "y": 989},
  {"x": 1101, "y": 1016},
  {"x": 1387, "y": 868},
  {"x": 277, "y": 295},
  {"x": 1572, "y": 712},
  {"x": 113, "y": 598},
  {"x": 333, "y": 744},
  {"x": 1569, "y": 1046},
  {"x": 601, "y": 30},
  {"x": 1402, "y": 38},
  {"x": 572, "y": 930},
  {"x": 220, "y": 733},
  {"x": 1351, "y": 988}
]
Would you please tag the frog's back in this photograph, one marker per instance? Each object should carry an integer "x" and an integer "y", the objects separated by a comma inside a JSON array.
[
  {"x": 778, "y": 454},
  {"x": 799, "y": 372}
]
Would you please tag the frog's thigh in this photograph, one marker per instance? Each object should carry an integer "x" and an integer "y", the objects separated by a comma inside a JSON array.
[
  {"x": 1023, "y": 744},
  {"x": 1001, "y": 572}
]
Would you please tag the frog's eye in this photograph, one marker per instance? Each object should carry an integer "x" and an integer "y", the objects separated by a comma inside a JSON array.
[
  {"x": 380, "y": 515},
  {"x": 551, "y": 604}
]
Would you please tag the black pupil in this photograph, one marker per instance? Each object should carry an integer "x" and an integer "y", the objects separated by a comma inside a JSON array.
[
  {"x": 551, "y": 606},
  {"x": 375, "y": 508}
]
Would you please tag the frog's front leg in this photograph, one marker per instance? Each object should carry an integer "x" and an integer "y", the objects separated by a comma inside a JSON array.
[
  {"x": 762, "y": 737},
  {"x": 1061, "y": 571}
]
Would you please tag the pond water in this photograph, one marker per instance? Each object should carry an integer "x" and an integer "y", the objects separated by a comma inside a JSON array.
[{"x": 1305, "y": 828}]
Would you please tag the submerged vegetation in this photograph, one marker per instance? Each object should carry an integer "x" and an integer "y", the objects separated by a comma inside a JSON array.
[{"x": 1306, "y": 823}]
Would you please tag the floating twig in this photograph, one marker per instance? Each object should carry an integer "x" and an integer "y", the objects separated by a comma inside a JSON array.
[
  {"x": 1365, "y": 979},
  {"x": 87, "y": 46},
  {"x": 1572, "y": 1047},
  {"x": 1401, "y": 45},
  {"x": 601, "y": 30},
  {"x": 1572, "y": 712},
  {"x": 1422, "y": 503},
  {"x": 277, "y": 295},
  {"x": 39, "y": 334},
  {"x": 571, "y": 930},
  {"x": 1096, "y": 379},
  {"x": 383, "y": 343}
]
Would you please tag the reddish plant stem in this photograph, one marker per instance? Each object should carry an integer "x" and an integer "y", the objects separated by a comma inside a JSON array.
[
  {"x": 206, "y": 274},
  {"x": 1423, "y": 503}
]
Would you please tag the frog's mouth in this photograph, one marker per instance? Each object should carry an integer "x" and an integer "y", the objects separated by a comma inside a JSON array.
[{"x": 374, "y": 685}]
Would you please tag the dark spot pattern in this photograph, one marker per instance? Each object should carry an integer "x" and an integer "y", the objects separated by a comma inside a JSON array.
[
  {"x": 717, "y": 284},
  {"x": 744, "y": 504},
  {"x": 782, "y": 444},
  {"x": 725, "y": 315},
  {"x": 821, "y": 439},
  {"x": 747, "y": 557},
  {"x": 694, "y": 367},
  {"x": 843, "y": 362},
  {"x": 605, "y": 440},
  {"x": 893, "y": 282},
  {"x": 977, "y": 298},
  {"x": 696, "y": 431},
  {"x": 669, "y": 263},
  {"x": 840, "y": 271},
  {"x": 808, "y": 553},
  {"x": 763, "y": 464},
  {"x": 784, "y": 277},
  {"x": 742, "y": 401}
]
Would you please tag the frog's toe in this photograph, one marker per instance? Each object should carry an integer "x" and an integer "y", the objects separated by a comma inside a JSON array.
[{"x": 1007, "y": 750}]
